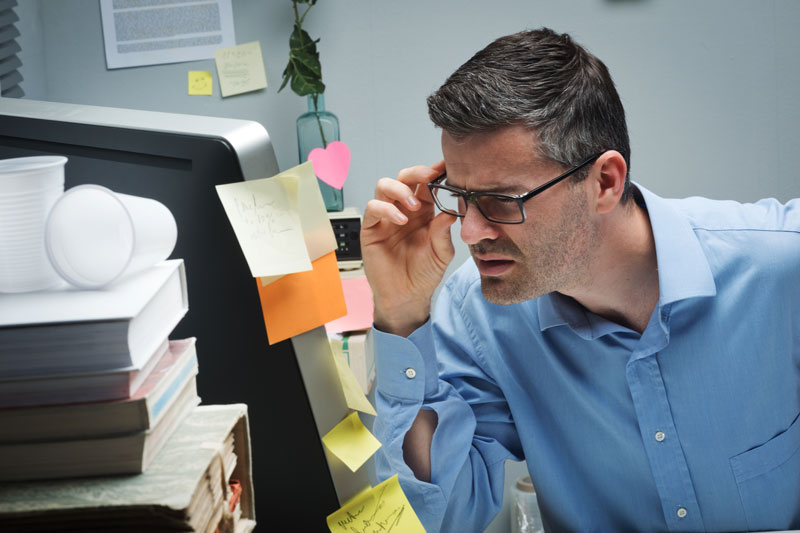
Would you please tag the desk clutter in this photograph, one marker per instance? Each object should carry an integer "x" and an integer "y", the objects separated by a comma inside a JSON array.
[
  {"x": 91, "y": 386},
  {"x": 100, "y": 423}
]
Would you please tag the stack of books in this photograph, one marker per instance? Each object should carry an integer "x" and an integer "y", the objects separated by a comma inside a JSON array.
[
  {"x": 89, "y": 382},
  {"x": 188, "y": 486}
]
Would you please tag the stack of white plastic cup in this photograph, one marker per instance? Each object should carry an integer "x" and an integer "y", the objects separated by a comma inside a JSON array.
[
  {"x": 29, "y": 186},
  {"x": 95, "y": 236}
]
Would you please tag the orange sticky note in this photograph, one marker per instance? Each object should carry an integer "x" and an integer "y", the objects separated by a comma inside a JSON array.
[
  {"x": 299, "y": 302},
  {"x": 358, "y": 297}
]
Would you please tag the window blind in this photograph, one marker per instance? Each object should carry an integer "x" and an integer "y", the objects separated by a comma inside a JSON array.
[{"x": 10, "y": 78}]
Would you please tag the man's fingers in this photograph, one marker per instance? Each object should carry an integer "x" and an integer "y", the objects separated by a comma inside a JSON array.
[
  {"x": 417, "y": 175},
  {"x": 389, "y": 190},
  {"x": 378, "y": 210}
]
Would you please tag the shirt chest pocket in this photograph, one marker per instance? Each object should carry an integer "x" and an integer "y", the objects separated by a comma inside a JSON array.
[{"x": 768, "y": 478}]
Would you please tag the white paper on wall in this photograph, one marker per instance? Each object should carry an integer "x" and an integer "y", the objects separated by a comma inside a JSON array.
[{"x": 150, "y": 32}]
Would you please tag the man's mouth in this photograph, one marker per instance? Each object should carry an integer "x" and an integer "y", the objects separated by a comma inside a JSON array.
[{"x": 490, "y": 265}]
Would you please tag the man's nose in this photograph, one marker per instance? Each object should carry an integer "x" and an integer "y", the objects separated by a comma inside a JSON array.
[{"x": 475, "y": 227}]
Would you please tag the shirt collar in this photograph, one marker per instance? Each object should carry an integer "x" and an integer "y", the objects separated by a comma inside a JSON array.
[{"x": 683, "y": 271}]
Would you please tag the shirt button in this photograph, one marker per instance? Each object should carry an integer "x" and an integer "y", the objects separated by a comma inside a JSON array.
[
  {"x": 411, "y": 373},
  {"x": 681, "y": 512},
  {"x": 660, "y": 436}
]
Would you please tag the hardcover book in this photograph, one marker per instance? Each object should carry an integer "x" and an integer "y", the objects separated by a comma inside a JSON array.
[
  {"x": 129, "y": 453},
  {"x": 72, "y": 330},
  {"x": 77, "y": 387},
  {"x": 140, "y": 412}
]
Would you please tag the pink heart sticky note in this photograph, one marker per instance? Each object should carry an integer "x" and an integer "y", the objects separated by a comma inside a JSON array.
[{"x": 332, "y": 163}]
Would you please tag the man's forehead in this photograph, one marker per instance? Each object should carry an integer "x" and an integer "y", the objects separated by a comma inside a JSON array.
[
  {"x": 506, "y": 150},
  {"x": 493, "y": 182},
  {"x": 498, "y": 172}
]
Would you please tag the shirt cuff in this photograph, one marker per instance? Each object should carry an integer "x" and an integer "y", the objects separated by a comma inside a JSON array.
[{"x": 406, "y": 368}]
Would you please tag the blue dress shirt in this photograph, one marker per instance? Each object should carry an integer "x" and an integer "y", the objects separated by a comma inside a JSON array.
[{"x": 690, "y": 426}]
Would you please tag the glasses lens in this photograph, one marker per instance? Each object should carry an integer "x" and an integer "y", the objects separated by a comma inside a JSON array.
[
  {"x": 448, "y": 201},
  {"x": 499, "y": 208}
]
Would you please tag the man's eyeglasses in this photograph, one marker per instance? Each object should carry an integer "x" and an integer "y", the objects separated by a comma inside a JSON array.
[{"x": 495, "y": 207}]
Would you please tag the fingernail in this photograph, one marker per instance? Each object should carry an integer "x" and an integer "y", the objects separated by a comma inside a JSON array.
[
  {"x": 412, "y": 201},
  {"x": 400, "y": 217}
]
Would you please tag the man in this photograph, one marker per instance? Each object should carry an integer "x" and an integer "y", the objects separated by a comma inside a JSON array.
[{"x": 642, "y": 354}]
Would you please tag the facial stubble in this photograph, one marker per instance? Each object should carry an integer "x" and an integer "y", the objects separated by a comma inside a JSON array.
[{"x": 552, "y": 255}]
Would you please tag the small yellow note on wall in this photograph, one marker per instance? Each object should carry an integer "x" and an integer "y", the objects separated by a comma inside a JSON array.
[
  {"x": 383, "y": 508},
  {"x": 200, "y": 83},
  {"x": 351, "y": 442}
]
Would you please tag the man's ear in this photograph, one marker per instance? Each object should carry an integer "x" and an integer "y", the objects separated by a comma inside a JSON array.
[{"x": 608, "y": 180}]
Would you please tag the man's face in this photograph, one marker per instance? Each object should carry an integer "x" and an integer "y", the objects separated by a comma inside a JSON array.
[{"x": 548, "y": 252}]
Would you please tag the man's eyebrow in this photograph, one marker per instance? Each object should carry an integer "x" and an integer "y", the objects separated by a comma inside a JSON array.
[{"x": 501, "y": 189}]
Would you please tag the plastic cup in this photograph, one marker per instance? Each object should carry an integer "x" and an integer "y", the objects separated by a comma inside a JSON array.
[
  {"x": 95, "y": 236},
  {"x": 29, "y": 186}
]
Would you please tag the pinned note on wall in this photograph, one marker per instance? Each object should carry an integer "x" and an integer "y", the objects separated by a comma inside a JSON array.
[
  {"x": 267, "y": 225},
  {"x": 201, "y": 83},
  {"x": 382, "y": 508},
  {"x": 351, "y": 442},
  {"x": 297, "y": 303},
  {"x": 240, "y": 69}
]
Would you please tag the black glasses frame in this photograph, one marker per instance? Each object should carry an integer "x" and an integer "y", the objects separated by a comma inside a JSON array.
[{"x": 520, "y": 199}]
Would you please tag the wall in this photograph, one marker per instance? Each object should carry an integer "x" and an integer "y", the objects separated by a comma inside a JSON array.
[{"x": 709, "y": 87}]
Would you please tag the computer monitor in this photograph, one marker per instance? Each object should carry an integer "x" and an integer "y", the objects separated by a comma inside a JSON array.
[{"x": 177, "y": 160}]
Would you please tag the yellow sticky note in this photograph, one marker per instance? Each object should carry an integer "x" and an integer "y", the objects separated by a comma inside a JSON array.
[
  {"x": 353, "y": 394},
  {"x": 297, "y": 303},
  {"x": 383, "y": 508},
  {"x": 305, "y": 198},
  {"x": 240, "y": 69},
  {"x": 351, "y": 442},
  {"x": 267, "y": 226},
  {"x": 317, "y": 230},
  {"x": 200, "y": 83}
]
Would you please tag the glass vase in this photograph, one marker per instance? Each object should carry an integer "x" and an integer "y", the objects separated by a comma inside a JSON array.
[{"x": 315, "y": 129}]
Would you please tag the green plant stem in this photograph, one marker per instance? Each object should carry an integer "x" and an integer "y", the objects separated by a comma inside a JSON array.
[
  {"x": 319, "y": 122},
  {"x": 297, "y": 18}
]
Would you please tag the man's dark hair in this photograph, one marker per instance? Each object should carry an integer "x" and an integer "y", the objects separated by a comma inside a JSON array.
[{"x": 544, "y": 81}]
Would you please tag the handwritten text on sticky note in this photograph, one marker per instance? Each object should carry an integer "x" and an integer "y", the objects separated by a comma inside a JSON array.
[
  {"x": 383, "y": 508},
  {"x": 351, "y": 442},
  {"x": 266, "y": 225},
  {"x": 240, "y": 69}
]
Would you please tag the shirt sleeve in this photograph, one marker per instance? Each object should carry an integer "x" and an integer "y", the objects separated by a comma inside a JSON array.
[{"x": 434, "y": 368}]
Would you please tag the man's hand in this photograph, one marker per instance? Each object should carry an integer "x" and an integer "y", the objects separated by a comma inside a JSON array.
[{"x": 406, "y": 248}]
